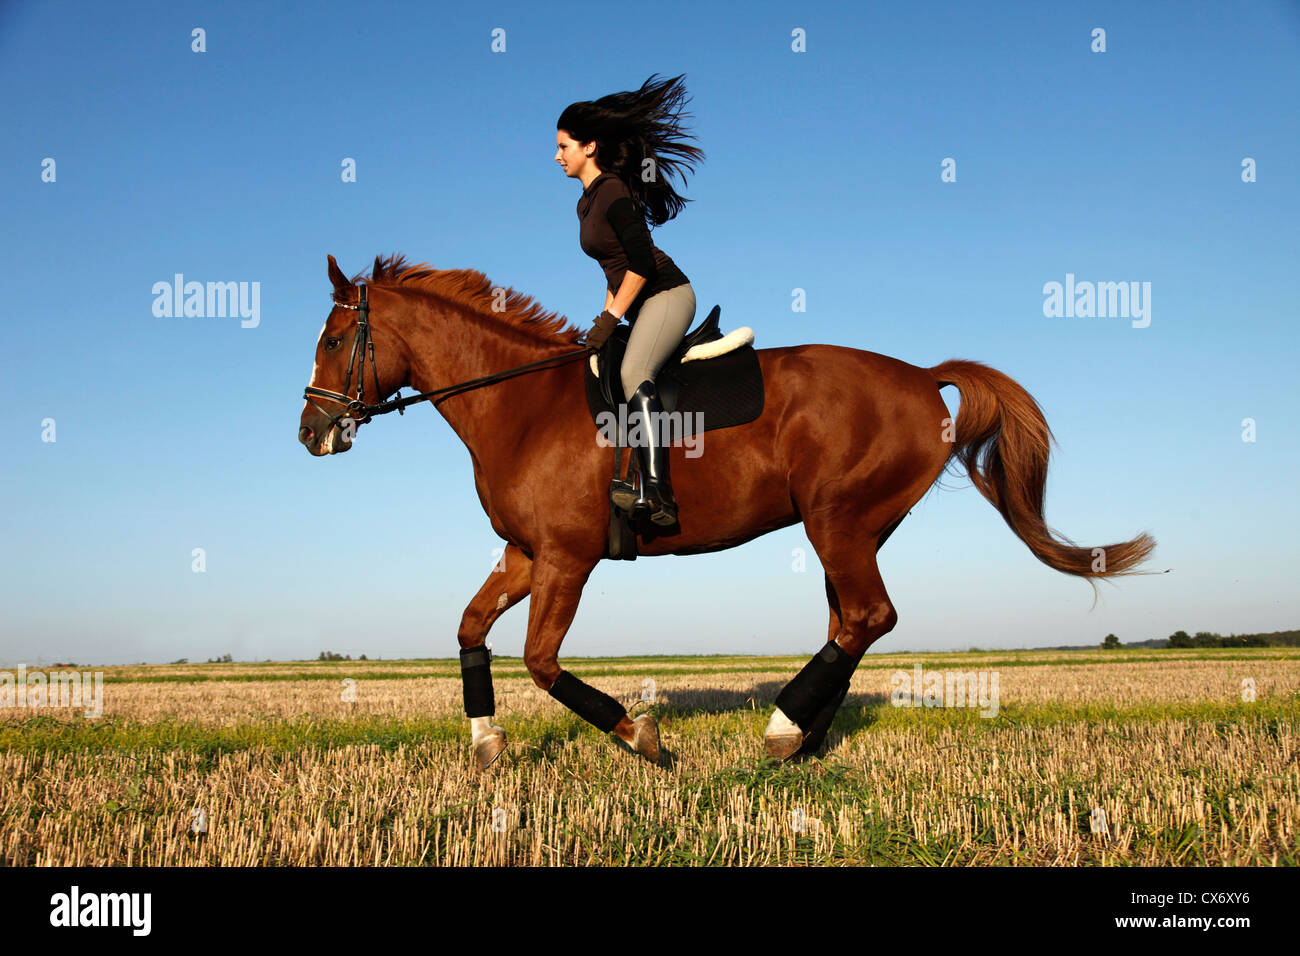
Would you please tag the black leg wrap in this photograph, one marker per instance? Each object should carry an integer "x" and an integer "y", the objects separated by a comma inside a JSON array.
[
  {"x": 476, "y": 681},
  {"x": 813, "y": 687},
  {"x": 821, "y": 724},
  {"x": 591, "y": 705}
]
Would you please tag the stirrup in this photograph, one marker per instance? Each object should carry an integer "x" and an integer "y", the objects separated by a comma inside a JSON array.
[
  {"x": 623, "y": 495},
  {"x": 656, "y": 500},
  {"x": 666, "y": 514}
]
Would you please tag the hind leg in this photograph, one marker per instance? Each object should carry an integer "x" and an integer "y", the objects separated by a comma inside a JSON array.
[
  {"x": 858, "y": 600},
  {"x": 821, "y": 724},
  {"x": 833, "y": 599}
]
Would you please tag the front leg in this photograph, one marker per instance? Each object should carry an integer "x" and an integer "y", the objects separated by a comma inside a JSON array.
[
  {"x": 507, "y": 585},
  {"x": 557, "y": 588}
]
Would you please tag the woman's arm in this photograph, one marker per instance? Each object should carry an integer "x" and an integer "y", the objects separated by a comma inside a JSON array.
[
  {"x": 627, "y": 293},
  {"x": 609, "y": 300},
  {"x": 629, "y": 225}
]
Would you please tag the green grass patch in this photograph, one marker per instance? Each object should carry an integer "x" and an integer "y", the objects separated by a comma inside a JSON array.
[{"x": 547, "y": 733}]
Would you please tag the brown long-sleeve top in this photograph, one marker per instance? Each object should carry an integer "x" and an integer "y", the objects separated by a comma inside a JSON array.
[{"x": 613, "y": 232}]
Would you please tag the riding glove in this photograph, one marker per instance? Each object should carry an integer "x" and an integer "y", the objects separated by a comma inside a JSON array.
[{"x": 605, "y": 324}]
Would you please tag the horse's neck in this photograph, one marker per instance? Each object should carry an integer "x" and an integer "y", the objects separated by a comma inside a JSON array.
[{"x": 454, "y": 348}]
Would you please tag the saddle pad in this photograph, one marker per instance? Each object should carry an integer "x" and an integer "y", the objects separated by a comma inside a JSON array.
[{"x": 725, "y": 391}]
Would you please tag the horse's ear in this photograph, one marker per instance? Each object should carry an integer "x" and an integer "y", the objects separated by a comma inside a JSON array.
[
  {"x": 337, "y": 277},
  {"x": 378, "y": 271}
]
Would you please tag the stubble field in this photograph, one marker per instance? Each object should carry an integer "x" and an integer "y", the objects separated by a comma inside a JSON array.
[{"x": 283, "y": 770}]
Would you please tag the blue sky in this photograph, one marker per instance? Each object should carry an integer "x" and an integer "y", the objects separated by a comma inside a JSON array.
[{"x": 822, "y": 173}]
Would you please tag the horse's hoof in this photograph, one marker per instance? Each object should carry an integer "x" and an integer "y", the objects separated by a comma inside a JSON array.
[
  {"x": 783, "y": 738},
  {"x": 646, "y": 741},
  {"x": 488, "y": 747},
  {"x": 782, "y": 746}
]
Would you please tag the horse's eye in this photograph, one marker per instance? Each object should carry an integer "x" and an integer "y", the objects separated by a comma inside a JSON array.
[{"x": 331, "y": 344}]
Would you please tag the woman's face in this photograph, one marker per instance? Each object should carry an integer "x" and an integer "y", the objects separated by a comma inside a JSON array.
[{"x": 571, "y": 157}]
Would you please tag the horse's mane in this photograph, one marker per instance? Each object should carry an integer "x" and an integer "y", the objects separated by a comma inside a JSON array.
[{"x": 471, "y": 288}]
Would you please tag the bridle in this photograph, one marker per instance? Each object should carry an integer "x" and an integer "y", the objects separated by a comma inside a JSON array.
[
  {"x": 359, "y": 412},
  {"x": 361, "y": 344}
]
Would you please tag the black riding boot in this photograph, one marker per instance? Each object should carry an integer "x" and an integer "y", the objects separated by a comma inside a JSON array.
[{"x": 656, "y": 491}]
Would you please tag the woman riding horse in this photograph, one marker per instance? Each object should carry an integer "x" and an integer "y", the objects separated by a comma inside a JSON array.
[{"x": 616, "y": 147}]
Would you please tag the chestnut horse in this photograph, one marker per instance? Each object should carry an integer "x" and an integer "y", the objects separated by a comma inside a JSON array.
[{"x": 847, "y": 442}]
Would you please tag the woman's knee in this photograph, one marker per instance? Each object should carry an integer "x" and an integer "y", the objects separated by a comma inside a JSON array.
[{"x": 633, "y": 375}]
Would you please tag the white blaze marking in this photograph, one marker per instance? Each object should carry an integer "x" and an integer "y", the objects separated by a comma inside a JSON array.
[{"x": 315, "y": 365}]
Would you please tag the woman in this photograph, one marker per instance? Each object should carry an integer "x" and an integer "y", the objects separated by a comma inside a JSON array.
[{"x": 619, "y": 147}]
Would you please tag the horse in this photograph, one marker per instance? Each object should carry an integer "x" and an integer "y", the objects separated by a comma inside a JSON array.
[{"x": 846, "y": 443}]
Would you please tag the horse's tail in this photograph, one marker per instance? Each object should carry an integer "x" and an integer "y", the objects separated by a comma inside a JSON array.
[{"x": 1002, "y": 440}]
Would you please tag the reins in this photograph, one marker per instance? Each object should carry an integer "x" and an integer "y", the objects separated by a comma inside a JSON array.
[{"x": 357, "y": 408}]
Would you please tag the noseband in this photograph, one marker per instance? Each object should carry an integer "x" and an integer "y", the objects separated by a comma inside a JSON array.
[{"x": 359, "y": 412}]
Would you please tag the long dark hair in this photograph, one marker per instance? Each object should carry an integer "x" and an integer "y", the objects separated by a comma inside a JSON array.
[{"x": 632, "y": 127}]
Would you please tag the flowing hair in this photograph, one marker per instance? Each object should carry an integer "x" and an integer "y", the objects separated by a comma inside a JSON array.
[{"x": 638, "y": 136}]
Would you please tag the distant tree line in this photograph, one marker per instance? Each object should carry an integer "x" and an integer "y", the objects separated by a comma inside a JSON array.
[
  {"x": 1210, "y": 639},
  {"x": 1181, "y": 639}
]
